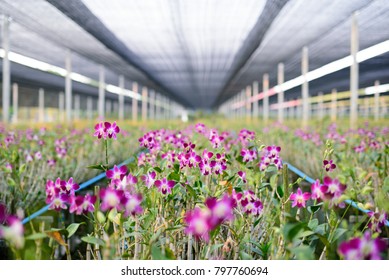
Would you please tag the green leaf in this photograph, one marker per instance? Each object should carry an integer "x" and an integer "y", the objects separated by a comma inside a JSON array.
[
  {"x": 156, "y": 253},
  {"x": 169, "y": 254},
  {"x": 36, "y": 236},
  {"x": 313, "y": 224},
  {"x": 22, "y": 168},
  {"x": 72, "y": 228},
  {"x": 114, "y": 216},
  {"x": 245, "y": 256},
  {"x": 280, "y": 191},
  {"x": 98, "y": 167},
  {"x": 159, "y": 170},
  {"x": 93, "y": 240},
  {"x": 240, "y": 159},
  {"x": 291, "y": 230},
  {"x": 10, "y": 182},
  {"x": 322, "y": 228},
  {"x": 60, "y": 230},
  {"x": 101, "y": 217},
  {"x": 338, "y": 233},
  {"x": 176, "y": 168},
  {"x": 256, "y": 222},
  {"x": 174, "y": 176},
  {"x": 314, "y": 208},
  {"x": 215, "y": 232},
  {"x": 271, "y": 168},
  {"x": 366, "y": 190},
  {"x": 385, "y": 187},
  {"x": 273, "y": 181},
  {"x": 190, "y": 190},
  {"x": 303, "y": 252},
  {"x": 305, "y": 234}
]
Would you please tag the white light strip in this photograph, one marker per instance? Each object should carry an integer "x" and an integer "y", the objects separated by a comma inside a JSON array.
[
  {"x": 45, "y": 67},
  {"x": 333, "y": 67},
  {"x": 329, "y": 68},
  {"x": 33, "y": 63},
  {"x": 117, "y": 90},
  {"x": 373, "y": 51},
  {"x": 81, "y": 78},
  {"x": 374, "y": 89}
]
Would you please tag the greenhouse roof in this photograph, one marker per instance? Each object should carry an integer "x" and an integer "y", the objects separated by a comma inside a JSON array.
[{"x": 199, "y": 53}]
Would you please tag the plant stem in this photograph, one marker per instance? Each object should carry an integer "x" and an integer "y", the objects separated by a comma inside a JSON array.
[
  {"x": 106, "y": 151},
  {"x": 136, "y": 253}
]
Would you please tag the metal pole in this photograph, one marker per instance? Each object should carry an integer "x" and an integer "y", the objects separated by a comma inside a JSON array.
[
  {"x": 243, "y": 102},
  {"x": 68, "y": 85},
  {"x": 121, "y": 97},
  {"x": 101, "y": 92},
  {"x": 15, "y": 102},
  {"x": 280, "y": 81},
  {"x": 304, "y": 87},
  {"x": 41, "y": 102},
  {"x": 248, "y": 103},
  {"x": 255, "y": 104},
  {"x": 152, "y": 104},
  {"x": 135, "y": 102},
  {"x": 376, "y": 100},
  {"x": 159, "y": 108},
  {"x": 366, "y": 107},
  {"x": 77, "y": 107},
  {"x": 265, "y": 89},
  {"x": 354, "y": 74},
  {"x": 321, "y": 106},
  {"x": 156, "y": 104},
  {"x": 144, "y": 104},
  {"x": 89, "y": 107},
  {"x": 333, "y": 105},
  {"x": 6, "y": 70},
  {"x": 61, "y": 106},
  {"x": 165, "y": 108}
]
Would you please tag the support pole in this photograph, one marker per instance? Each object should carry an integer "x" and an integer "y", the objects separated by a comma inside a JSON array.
[
  {"x": 255, "y": 103},
  {"x": 320, "y": 106},
  {"x": 15, "y": 102},
  {"x": 152, "y": 104},
  {"x": 144, "y": 104},
  {"x": 41, "y": 102},
  {"x": 77, "y": 107},
  {"x": 68, "y": 85},
  {"x": 135, "y": 102},
  {"x": 156, "y": 104},
  {"x": 366, "y": 105},
  {"x": 61, "y": 107},
  {"x": 89, "y": 107},
  {"x": 243, "y": 104},
  {"x": 248, "y": 103},
  {"x": 121, "y": 98},
  {"x": 159, "y": 108},
  {"x": 6, "y": 70},
  {"x": 280, "y": 81},
  {"x": 333, "y": 105},
  {"x": 376, "y": 100},
  {"x": 265, "y": 89},
  {"x": 354, "y": 74},
  {"x": 101, "y": 92},
  {"x": 165, "y": 108},
  {"x": 304, "y": 87}
]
